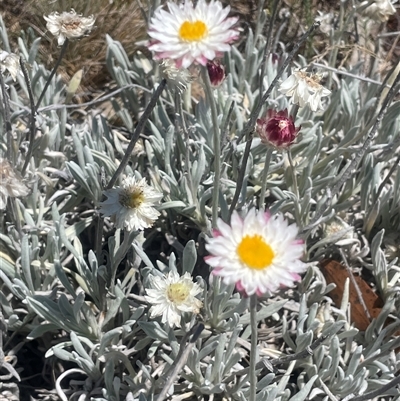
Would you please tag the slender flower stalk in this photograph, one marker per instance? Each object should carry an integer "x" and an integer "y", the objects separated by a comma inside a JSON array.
[
  {"x": 135, "y": 136},
  {"x": 295, "y": 187},
  {"x": 216, "y": 146},
  {"x": 60, "y": 57},
  {"x": 267, "y": 162},
  {"x": 254, "y": 349},
  {"x": 7, "y": 121},
  {"x": 32, "y": 127}
]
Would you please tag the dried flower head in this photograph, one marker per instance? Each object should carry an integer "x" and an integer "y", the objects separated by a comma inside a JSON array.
[
  {"x": 11, "y": 184},
  {"x": 191, "y": 34},
  {"x": 172, "y": 295},
  {"x": 379, "y": 10},
  {"x": 304, "y": 88},
  {"x": 9, "y": 62},
  {"x": 176, "y": 77},
  {"x": 258, "y": 254},
  {"x": 132, "y": 204},
  {"x": 69, "y": 25},
  {"x": 277, "y": 129},
  {"x": 216, "y": 72},
  {"x": 326, "y": 21}
]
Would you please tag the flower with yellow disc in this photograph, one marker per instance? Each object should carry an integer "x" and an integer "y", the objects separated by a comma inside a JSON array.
[{"x": 258, "y": 253}]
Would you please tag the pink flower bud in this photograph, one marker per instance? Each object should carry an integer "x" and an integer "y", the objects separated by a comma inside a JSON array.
[
  {"x": 216, "y": 72},
  {"x": 277, "y": 129}
]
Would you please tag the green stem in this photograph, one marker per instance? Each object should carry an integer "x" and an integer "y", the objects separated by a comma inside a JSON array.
[
  {"x": 295, "y": 188},
  {"x": 253, "y": 350},
  {"x": 267, "y": 162},
  {"x": 60, "y": 57},
  {"x": 216, "y": 145}
]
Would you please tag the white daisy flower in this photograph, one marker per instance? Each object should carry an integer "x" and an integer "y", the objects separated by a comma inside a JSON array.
[
  {"x": 379, "y": 10},
  {"x": 304, "y": 89},
  {"x": 191, "y": 34},
  {"x": 68, "y": 25},
  {"x": 178, "y": 78},
  {"x": 258, "y": 254},
  {"x": 11, "y": 184},
  {"x": 132, "y": 204},
  {"x": 9, "y": 62},
  {"x": 172, "y": 295}
]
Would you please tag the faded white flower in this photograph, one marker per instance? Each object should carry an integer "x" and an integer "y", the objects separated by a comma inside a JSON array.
[
  {"x": 68, "y": 25},
  {"x": 304, "y": 88},
  {"x": 11, "y": 183},
  {"x": 176, "y": 77},
  {"x": 132, "y": 204},
  {"x": 339, "y": 232},
  {"x": 172, "y": 295},
  {"x": 9, "y": 62},
  {"x": 379, "y": 10}
]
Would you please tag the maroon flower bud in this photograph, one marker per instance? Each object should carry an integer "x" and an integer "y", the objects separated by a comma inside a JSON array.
[
  {"x": 216, "y": 72},
  {"x": 277, "y": 129}
]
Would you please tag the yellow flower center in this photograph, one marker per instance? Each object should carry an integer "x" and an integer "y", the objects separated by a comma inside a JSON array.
[
  {"x": 255, "y": 252},
  {"x": 132, "y": 200},
  {"x": 192, "y": 31},
  {"x": 177, "y": 293}
]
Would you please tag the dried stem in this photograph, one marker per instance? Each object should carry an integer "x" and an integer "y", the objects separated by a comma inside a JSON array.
[
  {"x": 32, "y": 119},
  {"x": 60, "y": 57},
  {"x": 137, "y": 132},
  {"x": 7, "y": 121},
  {"x": 267, "y": 48}
]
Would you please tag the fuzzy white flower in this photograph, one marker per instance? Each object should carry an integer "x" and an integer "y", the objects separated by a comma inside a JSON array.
[
  {"x": 191, "y": 34},
  {"x": 68, "y": 25},
  {"x": 304, "y": 89},
  {"x": 9, "y": 62},
  {"x": 11, "y": 184},
  {"x": 258, "y": 254},
  {"x": 379, "y": 10},
  {"x": 132, "y": 204},
  {"x": 178, "y": 78},
  {"x": 172, "y": 295}
]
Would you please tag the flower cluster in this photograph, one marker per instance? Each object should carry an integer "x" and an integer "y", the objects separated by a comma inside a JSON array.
[
  {"x": 69, "y": 25},
  {"x": 304, "y": 88},
  {"x": 258, "y": 254},
  {"x": 189, "y": 34},
  {"x": 132, "y": 204},
  {"x": 277, "y": 129},
  {"x": 172, "y": 295}
]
